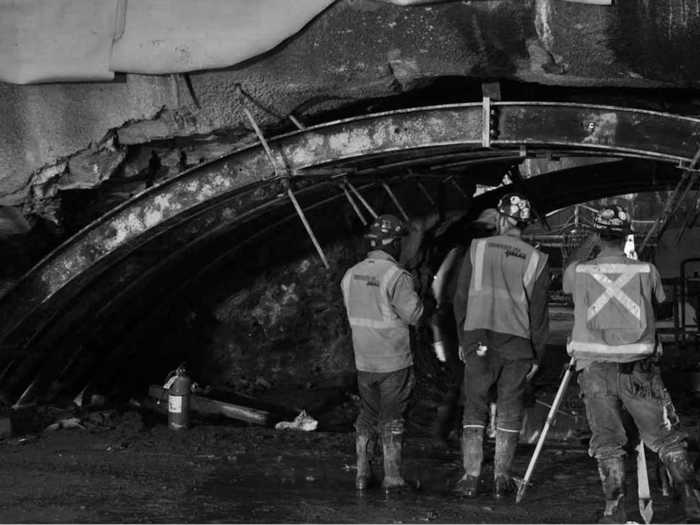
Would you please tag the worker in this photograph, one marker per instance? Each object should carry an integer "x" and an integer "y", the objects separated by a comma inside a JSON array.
[
  {"x": 615, "y": 347},
  {"x": 443, "y": 325},
  {"x": 381, "y": 304},
  {"x": 501, "y": 307}
]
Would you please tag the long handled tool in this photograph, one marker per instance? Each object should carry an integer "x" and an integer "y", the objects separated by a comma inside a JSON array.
[
  {"x": 645, "y": 503},
  {"x": 550, "y": 417}
]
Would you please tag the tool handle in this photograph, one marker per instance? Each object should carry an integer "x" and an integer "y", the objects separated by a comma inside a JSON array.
[{"x": 550, "y": 417}]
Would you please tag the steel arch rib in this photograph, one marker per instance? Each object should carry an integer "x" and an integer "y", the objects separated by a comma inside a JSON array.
[{"x": 606, "y": 129}]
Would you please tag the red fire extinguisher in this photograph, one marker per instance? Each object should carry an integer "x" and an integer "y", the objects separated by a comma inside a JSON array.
[{"x": 178, "y": 387}]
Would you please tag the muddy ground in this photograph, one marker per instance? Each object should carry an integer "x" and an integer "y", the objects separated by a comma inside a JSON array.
[
  {"x": 225, "y": 474},
  {"x": 125, "y": 465}
]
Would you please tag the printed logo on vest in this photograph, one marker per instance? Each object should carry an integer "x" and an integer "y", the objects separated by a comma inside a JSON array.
[
  {"x": 511, "y": 251},
  {"x": 370, "y": 280}
]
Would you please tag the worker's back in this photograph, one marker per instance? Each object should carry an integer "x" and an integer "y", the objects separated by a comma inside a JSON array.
[
  {"x": 613, "y": 308},
  {"x": 504, "y": 270},
  {"x": 380, "y": 338}
]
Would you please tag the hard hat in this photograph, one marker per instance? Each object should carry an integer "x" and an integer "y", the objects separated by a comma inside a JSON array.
[
  {"x": 613, "y": 219},
  {"x": 386, "y": 228},
  {"x": 488, "y": 218},
  {"x": 515, "y": 207}
]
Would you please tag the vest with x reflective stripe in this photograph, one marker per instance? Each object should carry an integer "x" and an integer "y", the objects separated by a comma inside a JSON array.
[{"x": 613, "y": 313}]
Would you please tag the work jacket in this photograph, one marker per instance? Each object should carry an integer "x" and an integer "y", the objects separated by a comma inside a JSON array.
[
  {"x": 613, "y": 310},
  {"x": 381, "y": 303},
  {"x": 504, "y": 271}
]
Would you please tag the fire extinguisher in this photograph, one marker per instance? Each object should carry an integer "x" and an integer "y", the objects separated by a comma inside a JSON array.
[{"x": 178, "y": 387}]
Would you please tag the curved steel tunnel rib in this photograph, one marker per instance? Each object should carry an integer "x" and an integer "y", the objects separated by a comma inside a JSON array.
[{"x": 457, "y": 127}]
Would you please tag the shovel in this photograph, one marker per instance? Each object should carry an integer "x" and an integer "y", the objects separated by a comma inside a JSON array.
[{"x": 645, "y": 503}]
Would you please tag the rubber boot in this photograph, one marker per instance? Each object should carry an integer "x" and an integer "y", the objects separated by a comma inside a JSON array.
[
  {"x": 392, "y": 444},
  {"x": 506, "y": 443},
  {"x": 364, "y": 447},
  {"x": 683, "y": 476},
  {"x": 612, "y": 476},
  {"x": 441, "y": 426},
  {"x": 472, "y": 457}
]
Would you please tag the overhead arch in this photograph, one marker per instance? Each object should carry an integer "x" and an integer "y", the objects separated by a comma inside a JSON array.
[{"x": 226, "y": 194}]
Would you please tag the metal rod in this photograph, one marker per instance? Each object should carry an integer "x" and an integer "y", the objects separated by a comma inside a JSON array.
[
  {"x": 27, "y": 392},
  {"x": 300, "y": 212},
  {"x": 396, "y": 202},
  {"x": 354, "y": 205},
  {"x": 290, "y": 193},
  {"x": 262, "y": 140},
  {"x": 550, "y": 417},
  {"x": 296, "y": 122},
  {"x": 668, "y": 210},
  {"x": 6, "y": 369},
  {"x": 425, "y": 192},
  {"x": 459, "y": 188},
  {"x": 362, "y": 200}
]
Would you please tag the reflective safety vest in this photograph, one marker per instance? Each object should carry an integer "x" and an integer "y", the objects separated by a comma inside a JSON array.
[
  {"x": 613, "y": 314},
  {"x": 380, "y": 338},
  {"x": 504, "y": 271}
]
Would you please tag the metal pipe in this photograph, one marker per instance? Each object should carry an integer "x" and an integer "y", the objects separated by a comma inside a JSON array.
[
  {"x": 362, "y": 200},
  {"x": 396, "y": 201},
  {"x": 262, "y": 140},
  {"x": 300, "y": 212},
  {"x": 290, "y": 193},
  {"x": 354, "y": 205}
]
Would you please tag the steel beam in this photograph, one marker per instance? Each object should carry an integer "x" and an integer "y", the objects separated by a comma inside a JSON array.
[{"x": 568, "y": 127}]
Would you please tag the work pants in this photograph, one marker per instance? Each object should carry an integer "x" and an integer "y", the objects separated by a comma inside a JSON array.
[
  {"x": 384, "y": 398},
  {"x": 608, "y": 387},
  {"x": 509, "y": 377}
]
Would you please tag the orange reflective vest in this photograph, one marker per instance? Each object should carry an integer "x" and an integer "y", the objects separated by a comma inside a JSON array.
[
  {"x": 504, "y": 271},
  {"x": 380, "y": 337},
  {"x": 613, "y": 313}
]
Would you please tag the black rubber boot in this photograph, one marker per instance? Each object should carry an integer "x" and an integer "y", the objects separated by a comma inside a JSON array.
[
  {"x": 506, "y": 443},
  {"x": 612, "y": 476},
  {"x": 364, "y": 447},
  {"x": 441, "y": 426},
  {"x": 684, "y": 480},
  {"x": 392, "y": 444},
  {"x": 472, "y": 457}
]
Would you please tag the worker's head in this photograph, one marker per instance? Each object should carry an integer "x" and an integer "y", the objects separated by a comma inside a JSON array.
[
  {"x": 385, "y": 234},
  {"x": 513, "y": 213},
  {"x": 486, "y": 223},
  {"x": 613, "y": 224}
]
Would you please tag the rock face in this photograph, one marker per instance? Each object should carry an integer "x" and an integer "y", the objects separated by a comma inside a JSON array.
[
  {"x": 355, "y": 51},
  {"x": 288, "y": 326}
]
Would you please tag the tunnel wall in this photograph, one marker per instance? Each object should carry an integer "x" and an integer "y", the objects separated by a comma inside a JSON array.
[{"x": 356, "y": 50}]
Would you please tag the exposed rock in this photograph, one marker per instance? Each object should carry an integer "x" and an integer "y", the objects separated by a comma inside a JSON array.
[
  {"x": 92, "y": 167},
  {"x": 166, "y": 125}
]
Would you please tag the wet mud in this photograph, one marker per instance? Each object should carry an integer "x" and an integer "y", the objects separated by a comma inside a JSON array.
[{"x": 225, "y": 474}]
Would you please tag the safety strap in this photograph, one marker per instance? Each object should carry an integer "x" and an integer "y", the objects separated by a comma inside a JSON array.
[{"x": 581, "y": 347}]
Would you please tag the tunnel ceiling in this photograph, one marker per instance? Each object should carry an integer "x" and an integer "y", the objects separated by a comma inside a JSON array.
[{"x": 155, "y": 245}]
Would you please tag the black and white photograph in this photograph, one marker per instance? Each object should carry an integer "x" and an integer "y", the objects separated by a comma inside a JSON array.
[{"x": 350, "y": 261}]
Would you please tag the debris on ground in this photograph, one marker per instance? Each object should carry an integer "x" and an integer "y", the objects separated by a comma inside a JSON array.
[{"x": 302, "y": 422}]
